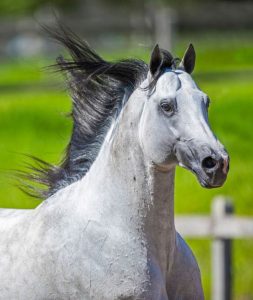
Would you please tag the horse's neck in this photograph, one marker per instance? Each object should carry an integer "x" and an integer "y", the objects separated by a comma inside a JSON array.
[
  {"x": 126, "y": 191},
  {"x": 125, "y": 188}
]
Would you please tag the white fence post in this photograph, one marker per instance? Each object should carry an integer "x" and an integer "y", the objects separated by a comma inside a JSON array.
[
  {"x": 163, "y": 23},
  {"x": 221, "y": 252},
  {"x": 164, "y": 19}
]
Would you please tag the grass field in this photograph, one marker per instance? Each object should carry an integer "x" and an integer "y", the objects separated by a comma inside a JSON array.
[{"x": 33, "y": 105}]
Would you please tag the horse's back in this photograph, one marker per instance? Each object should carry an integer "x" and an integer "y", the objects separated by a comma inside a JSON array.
[
  {"x": 14, "y": 212},
  {"x": 10, "y": 218},
  {"x": 14, "y": 224}
]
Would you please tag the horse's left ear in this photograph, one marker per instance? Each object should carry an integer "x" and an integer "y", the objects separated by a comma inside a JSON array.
[
  {"x": 188, "y": 61},
  {"x": 160, "y": 60},
  {"x": 156, "y": 60}
]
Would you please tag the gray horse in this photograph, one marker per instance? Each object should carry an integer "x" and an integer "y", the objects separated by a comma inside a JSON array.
[{"x": 106, "y": 230}]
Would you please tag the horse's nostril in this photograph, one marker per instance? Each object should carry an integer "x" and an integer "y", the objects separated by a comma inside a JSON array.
[{"x": 209, "y": 163}]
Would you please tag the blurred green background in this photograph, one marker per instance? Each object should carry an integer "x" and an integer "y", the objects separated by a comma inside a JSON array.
[{"x": 34, "y": 104}]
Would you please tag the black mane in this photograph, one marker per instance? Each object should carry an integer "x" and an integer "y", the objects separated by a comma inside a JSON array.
[{"x": 99, "y": 90}]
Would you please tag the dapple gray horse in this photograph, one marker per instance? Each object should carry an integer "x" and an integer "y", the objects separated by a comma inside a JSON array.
[{"x": 106, "y": 230}]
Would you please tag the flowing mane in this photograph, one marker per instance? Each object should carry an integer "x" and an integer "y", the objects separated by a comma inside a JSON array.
[{"x": 99, "y": 89}]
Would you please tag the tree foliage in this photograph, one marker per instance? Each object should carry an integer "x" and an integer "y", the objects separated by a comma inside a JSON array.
[{"x": 24, "y": 7}]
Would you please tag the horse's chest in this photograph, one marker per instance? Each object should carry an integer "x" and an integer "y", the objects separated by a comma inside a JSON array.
[{"x": 115, "y": 265}]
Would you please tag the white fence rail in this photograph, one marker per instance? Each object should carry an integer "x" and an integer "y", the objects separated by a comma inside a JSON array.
[{"x": 222, "y": 226}]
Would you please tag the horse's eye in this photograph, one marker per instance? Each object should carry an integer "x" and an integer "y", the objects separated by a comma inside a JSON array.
[{"x": 167, "y": 107}]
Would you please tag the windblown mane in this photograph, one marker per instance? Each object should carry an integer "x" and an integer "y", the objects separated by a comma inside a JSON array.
[{"x": 99, "y": 89}]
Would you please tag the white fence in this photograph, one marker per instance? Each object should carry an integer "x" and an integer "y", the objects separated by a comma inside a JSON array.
[{"x": 222, "y": 226}]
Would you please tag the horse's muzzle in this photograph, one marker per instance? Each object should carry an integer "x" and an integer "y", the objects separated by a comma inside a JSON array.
[
  {"x": 211, "y": 166},
  {"x": 216, "y": 170}
]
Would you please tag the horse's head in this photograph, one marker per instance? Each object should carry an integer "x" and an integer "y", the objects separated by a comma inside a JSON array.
[{"x": 174, "y": 124}]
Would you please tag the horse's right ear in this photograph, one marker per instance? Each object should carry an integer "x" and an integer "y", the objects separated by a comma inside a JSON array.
[
  {"x": 188, "y": 62},
  {"x": 156, "y": 60}
]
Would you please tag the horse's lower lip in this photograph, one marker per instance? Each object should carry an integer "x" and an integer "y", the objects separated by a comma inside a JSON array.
[
  {"x": 204, "y": 183},
  {"x": 208, "y": 185},
  {"x": 200, "y": 174}
]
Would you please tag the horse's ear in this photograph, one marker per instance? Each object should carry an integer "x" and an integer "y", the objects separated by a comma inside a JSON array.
[
  {"x": 188, "y": 61},
  {"x": 156, "y": 60}
]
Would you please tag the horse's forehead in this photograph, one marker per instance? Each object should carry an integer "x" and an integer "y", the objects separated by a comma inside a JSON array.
[
  {"x": 172, "y": 81},
  {"x": 169, "y": 83},
  {"x": 187, "y": 81}
]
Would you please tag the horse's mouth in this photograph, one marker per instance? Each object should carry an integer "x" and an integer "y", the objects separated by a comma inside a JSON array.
[
  {"x": 209, "y": 185},
  {"x": 208, "y": 181}
]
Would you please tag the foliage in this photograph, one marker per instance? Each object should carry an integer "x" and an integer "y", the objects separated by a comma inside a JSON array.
[{"x": 23, "y": 7}]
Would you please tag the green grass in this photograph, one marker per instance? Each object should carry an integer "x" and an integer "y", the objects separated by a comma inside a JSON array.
[
  {"x": 32, "y": 120},
  {"x": 30, "y": 123}
]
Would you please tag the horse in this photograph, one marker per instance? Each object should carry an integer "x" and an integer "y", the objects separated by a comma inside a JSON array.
[{"x": 106, "y": 227}]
